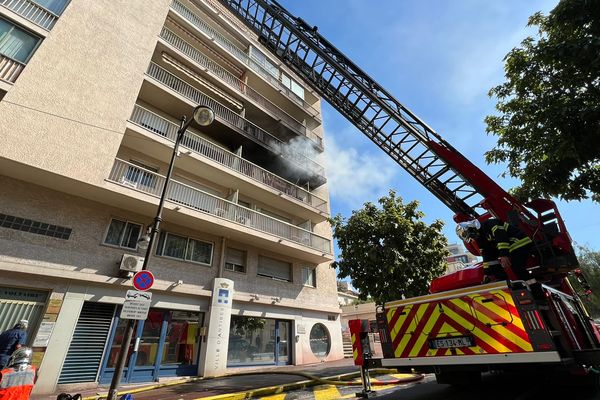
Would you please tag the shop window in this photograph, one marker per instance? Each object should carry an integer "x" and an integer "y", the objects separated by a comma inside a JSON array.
[
  {"x": 235, "y": 260},
  {"x": 274, "y": 269},
  {"x": 184, "y": 248},
  {"x": 320, "y": 341},
  {"x": 123, "y": 233},
  {"x": 16, "y": 43},
  {"x": 309, "y": 276}
]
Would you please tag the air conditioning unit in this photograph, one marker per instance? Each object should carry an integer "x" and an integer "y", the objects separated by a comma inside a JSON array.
[{"x": 130, "y": 263}]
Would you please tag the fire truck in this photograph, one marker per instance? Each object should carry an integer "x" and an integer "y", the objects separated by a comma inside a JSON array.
[{"x": 463, "y": 327}]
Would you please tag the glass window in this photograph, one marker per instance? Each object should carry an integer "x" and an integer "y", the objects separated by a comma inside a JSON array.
[
  {"x": 150, "y": 339},
  {"x": 309, "y": 277},
  {"x": 291, "y": 84},
  {"x": 181, "y": 341},
  {"x": 123, "y": 233},
  {"x": 56, "y": 6},
  {"x": 16, "y": 43},
  {"x": 320, "y": 342},
  {"x": 275, "y": 269},
  {"x": 235, "y": 260},
  {"x": 251, "y": 341},
  {"x": 264, "y": 62},
  {"x": 184, "y": 248}
]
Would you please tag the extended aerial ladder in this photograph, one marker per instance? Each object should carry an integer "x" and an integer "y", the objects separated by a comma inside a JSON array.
[
  {"x": 409, "y": 141},
  {"x": 480, "y": 313}
]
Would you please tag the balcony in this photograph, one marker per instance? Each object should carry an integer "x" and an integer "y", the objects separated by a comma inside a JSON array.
[
  {"x": 236, "y": 84},
  {"x": 10, "y": 69},
  {"x": 240, "y": 55},
  {"x": 32, "y": 11},
  {"x": 238, "y": 123},
  {"x": 167, "y": 129},
  {"x": 146, "y": 181}
]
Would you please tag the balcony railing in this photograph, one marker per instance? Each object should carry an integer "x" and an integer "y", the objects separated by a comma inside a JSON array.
[
  {"x": 146, "y": 181},
  {"x": 32, "y": 11},
  {"x": 10, "y": 69},
  {"x": 240, "y": 54},
  {"x": 234, "y": 83},
  {"x": 165, "y": 128},
  {"x": 234, "y": 120}
]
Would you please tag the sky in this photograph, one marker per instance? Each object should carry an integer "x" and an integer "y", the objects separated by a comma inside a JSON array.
[{"x": 439, "y": 58}]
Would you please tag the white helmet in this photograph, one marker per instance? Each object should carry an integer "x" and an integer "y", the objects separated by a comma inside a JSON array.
[
  {"x": 468, "y": 230},
  {"x": 21, "y": 358}
]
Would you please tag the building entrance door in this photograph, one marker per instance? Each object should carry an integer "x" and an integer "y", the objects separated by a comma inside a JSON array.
[{"x": 165, "y": 344}]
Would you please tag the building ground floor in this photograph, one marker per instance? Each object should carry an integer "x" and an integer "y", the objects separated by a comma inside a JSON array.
[{"x": 76, "y": 332}]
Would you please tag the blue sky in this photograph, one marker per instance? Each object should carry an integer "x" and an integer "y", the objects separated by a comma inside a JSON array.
[{"x": 439, "y": 58}]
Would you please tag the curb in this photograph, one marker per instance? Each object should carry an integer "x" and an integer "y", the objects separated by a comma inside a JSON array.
[{"x": 248, "y": 393}]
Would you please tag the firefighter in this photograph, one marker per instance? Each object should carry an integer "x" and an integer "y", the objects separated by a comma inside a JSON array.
[
  {"x": 11, "y": 340},
  {"x": 17, "y": 380},
  {"x": 502, "y": 246}
]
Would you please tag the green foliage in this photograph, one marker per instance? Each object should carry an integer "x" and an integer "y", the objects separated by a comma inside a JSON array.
[
  {"x": 589, "y": 262},
  {"x": 548, "y": 125},
  {"x": 388, "y": 251},
  {"x": 242, "y": 324}
]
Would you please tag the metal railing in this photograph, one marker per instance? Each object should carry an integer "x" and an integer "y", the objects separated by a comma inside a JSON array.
[
  {"x": 232, "y": 81},
  {"x": 234, "y": 120},
  {"x": 240, "y": 54},
  {"x": 32, "y": 11},
  {"x": 146, "y": 181},
  {"x": 10, "y": 69},
  {"x": 163, "y": 127}
]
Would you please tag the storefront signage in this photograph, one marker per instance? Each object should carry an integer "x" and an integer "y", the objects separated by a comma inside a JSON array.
[
  {"x": 7, "y": 293},
  {"x": 136, "y": 305},
  {"x": 217, "y": 339},
  {"x": 43, "y": 334}
]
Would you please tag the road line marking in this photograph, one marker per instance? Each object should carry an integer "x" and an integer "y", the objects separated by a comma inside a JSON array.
[{"x": 326, "y": 392}]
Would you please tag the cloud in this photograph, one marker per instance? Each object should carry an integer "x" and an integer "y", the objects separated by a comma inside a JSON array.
[{"x": 356, "y": 176}]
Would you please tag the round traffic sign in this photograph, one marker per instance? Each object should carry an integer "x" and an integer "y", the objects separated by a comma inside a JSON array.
[{"x": 143, "y": 280}]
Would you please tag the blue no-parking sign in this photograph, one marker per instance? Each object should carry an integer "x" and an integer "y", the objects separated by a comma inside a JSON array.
[{"x": 143, "y": 280}]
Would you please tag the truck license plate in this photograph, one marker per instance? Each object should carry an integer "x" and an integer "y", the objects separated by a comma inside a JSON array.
[{"x": 450, "y": 342}]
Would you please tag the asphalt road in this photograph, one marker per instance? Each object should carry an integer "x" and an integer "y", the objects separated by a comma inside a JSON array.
[{"x": 493, "y": 387}]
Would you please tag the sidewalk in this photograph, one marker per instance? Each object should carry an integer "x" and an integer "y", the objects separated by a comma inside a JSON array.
[{"x": 200, "y": 388}]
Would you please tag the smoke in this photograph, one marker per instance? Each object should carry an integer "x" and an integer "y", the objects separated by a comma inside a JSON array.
[{"x": 353, "y": 177}]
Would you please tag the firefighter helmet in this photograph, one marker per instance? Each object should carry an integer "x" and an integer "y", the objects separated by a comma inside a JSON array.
[
  {"x": 468, "y": 230},
  {"x": 21, "y": 358}
]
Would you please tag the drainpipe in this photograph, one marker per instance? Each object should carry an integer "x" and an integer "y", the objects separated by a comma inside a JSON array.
[{"x": 222, "y": 257}]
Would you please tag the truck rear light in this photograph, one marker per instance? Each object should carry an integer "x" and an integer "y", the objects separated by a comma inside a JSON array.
[{"x": 545, "y": 346}]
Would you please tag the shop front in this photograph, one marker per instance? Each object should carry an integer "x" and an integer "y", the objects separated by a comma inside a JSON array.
[
  {"x": 19, "y": 303},
  {"x": 259, "y": 341},
  {"x": 166, "y": 344}
]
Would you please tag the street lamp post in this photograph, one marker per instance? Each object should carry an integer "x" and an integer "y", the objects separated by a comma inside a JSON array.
[{"x": 203, "y": 116}]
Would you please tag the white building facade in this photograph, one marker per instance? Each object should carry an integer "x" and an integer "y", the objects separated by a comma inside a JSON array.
[{"x": 91, "y": 96}]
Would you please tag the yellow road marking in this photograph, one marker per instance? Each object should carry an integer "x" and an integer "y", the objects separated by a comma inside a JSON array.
[
  {"x": 326, "y": 392},
  {"x": 275, "y": 397}
]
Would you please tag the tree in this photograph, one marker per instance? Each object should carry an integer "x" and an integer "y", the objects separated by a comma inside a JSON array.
[
  {"x": 389, "y": 251},
  {"x": 589, "y": 262},
  {"x": 549, "y": 108}
]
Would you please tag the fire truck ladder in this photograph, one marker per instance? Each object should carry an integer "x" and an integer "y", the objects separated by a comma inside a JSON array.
[{"x": 382, "y": 118}]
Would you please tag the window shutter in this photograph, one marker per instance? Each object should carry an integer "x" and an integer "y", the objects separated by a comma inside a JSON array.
[{"x": 274, "y": 268}]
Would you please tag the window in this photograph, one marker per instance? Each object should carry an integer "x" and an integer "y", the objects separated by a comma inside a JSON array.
[
  {"x": 123, "y": 234},
  {"x": 275, "y": 269},
  {"x": 291, "y": 84},
  {"x": 264, "y": 62},
  {"x": 56, "y": 6},
  {"x": 31, "y": 226},
  {"x": 184, "y": 248},
  {"x": 320, "y": 342},
  {"x": 309, "y": 276},
  {"x": 235, "y": 260},
  {"x": 16, "y": 43}
]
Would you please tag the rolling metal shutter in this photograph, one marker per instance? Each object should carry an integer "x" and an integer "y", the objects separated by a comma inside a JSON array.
[{"x": 87, "y": 346}]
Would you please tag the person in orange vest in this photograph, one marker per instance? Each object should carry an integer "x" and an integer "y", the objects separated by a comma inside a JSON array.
[{"x": 18, "y": 378}]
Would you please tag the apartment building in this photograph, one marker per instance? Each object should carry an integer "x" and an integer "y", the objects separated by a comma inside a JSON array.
[{"x": 91, "y": 98}]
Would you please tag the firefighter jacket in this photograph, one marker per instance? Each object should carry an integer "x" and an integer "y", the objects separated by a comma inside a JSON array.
[
  {"x": 16, "y": 384},
  {"x": 499, "y": 239}
]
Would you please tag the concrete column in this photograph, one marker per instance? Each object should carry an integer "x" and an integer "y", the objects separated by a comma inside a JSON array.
[{"x": 60, "y": 341}]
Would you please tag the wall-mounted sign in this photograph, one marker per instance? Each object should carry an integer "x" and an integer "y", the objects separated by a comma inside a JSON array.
[{"x": 43, "y": 334}]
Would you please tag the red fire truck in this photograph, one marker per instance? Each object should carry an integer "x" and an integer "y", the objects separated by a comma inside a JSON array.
[{"x": 462, "y": 327}]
